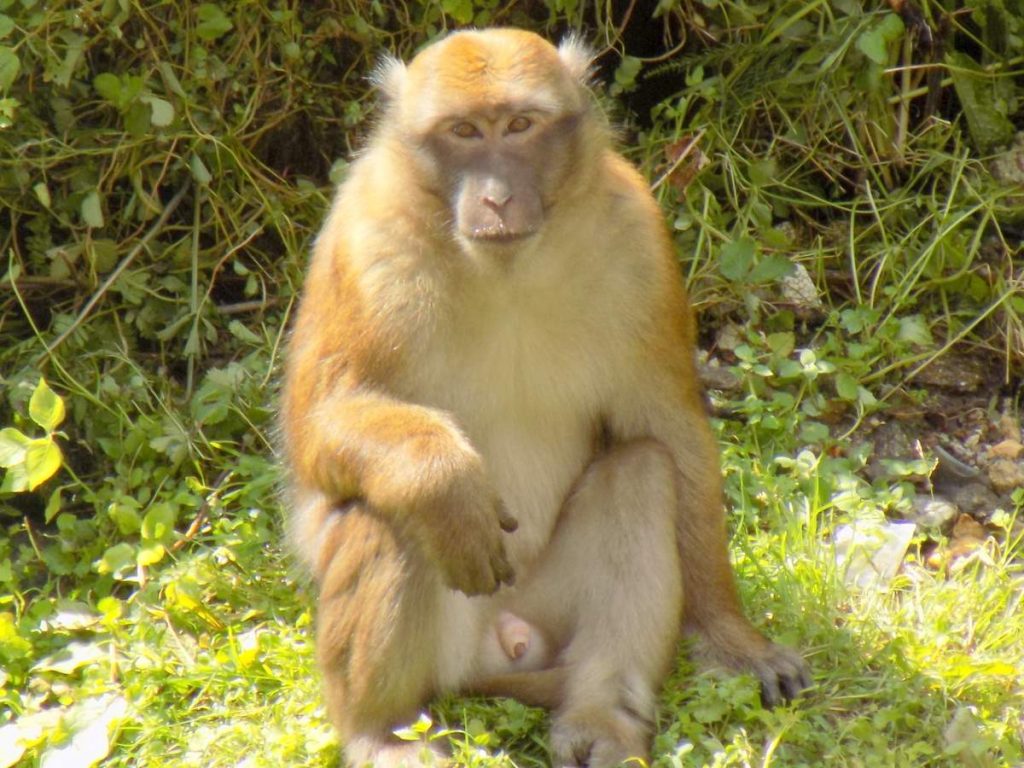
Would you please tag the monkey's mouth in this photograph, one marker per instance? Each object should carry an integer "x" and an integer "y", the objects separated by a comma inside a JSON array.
[{"x": 498, "y": 235}]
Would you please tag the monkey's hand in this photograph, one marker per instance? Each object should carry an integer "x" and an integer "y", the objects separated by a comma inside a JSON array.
[{"x": 460, "y": 527}]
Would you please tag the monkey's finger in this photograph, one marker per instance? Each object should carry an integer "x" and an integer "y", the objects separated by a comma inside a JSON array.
[
  {"x": 508, "y": 523},
  {"x": 503, "y": 570},
  {"x": 771, "y": 696}
]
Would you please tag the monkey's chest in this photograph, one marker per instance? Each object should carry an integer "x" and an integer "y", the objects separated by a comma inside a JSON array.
[{"x": 529, "y": 397}]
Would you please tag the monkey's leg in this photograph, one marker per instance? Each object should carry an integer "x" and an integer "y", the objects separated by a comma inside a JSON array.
[
  {"x": 377, "y": 635},
  {"x": 609, "y": 589}
]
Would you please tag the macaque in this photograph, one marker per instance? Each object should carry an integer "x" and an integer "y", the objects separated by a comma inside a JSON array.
[{"x": 502, "y": 476}]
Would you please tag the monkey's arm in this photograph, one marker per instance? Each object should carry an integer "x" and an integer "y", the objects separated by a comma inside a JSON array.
[{"x": 408, "y": 463}]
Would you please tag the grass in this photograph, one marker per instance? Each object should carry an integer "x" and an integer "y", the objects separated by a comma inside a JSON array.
[{"x": 157, "y": 200}]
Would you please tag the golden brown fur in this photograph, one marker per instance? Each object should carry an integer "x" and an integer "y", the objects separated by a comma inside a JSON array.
[{"x": 494, "y": 334}]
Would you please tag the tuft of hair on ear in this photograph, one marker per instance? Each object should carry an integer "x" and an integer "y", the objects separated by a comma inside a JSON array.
[
  {"x": 387, "y": 77},
  {"x": 578, "y": 58}
]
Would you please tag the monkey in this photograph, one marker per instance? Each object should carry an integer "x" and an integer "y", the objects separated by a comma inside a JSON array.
[{"x": 501, "y": 473}]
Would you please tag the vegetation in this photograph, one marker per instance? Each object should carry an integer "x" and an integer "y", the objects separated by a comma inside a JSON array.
[{"x": 846, "y": 188}]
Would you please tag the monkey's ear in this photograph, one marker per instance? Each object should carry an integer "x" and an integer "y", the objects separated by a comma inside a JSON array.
[
  {"x": 388, "y": 76},
  {"x": 578, "y": 58}
]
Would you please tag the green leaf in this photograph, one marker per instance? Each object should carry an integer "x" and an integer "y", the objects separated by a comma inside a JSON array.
[
  {"x": 108, "y": 85},
  {"x": 988, "y": 125},
  {"x": 460, "y": 10},
  {"x": 13, "y": 445},
  {"x": 45, "y": 407},
  {"x": 6, "y": 25},
  {"x": 914, "y": 329},
  {"x": 847, "y": 387},
  {"x": 16, "y": 479},
  {"x": 42, "y": 194},
  {"x": 736, "y": 259},
  {"x": 213, "y": 22},
  {"x": 150, "y": 554},
  {"x": 72, "y": 57},
  {"x": 53, "y": 505},
  {"x": 117, "y": 558},
  {"x": 10, "y": 66},
  {"x": 161, "y": 111},
  {"x": 770, "y": 268},
  {"x": 872, "y": 44},
  {"x": 91, "y": 210},
  {"x": 199, "y": 170},
  {"x": 240, "y": 332},
  {"x": 627, "y": 71},
  {"x": 42, "y": 459},
  {"x": 158, "y": 524}
]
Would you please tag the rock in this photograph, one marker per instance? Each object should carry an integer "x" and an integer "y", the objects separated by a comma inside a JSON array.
[
  {"x": 1006, "y": 475},
  {"x": 1006, "y": 449},
  {"x": 871, "y": 553},
  {"x": 1009, "y": 427},
  {"x": 974, "y": 499},
  {"x": 933, "y": 512},
  {"x": 799, "y": 290}
]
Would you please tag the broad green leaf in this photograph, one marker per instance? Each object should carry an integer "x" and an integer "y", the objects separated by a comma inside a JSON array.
[
  {"x": 158, "y": 524},
  {"x": 736, "y": 259},
  {"x": 161, "y": 111},
  {"x": 872, "y": 44},
  {"x": 42, "y": 459},
  {"x": 150, "y": 554},
  {"x": 13, "y": 445},
  {"x": 460, "y": 10},
  {"x": 15, "y": 480},
  {"x": 914, "y": 329},
  {"x": 6, "y": 25},
  {"x": 10, "y": 66},
  {"x": 770, "y": 268},
  {"x": 213, "y": 22},
  {"x": 763, "y": 172},
  {"x": 94, "y": 722},
  {"x": 847, "y": 387},
  {"x": 116, "y": 558},
  {"x": 627, "y": 71},
  {"x": 91, "y": 210},
  {"x": 46, "y": 408},
  {"x": 125, "y": 517},
  {"x": 108, "y": 85}
]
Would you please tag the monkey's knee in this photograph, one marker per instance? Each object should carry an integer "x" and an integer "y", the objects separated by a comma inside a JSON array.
[
  {"x": 635, "y": 478},
  {"x": 375, "y": 643}
]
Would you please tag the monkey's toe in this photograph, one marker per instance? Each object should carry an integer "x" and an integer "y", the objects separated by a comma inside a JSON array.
[{"x": 784, "y": 675}]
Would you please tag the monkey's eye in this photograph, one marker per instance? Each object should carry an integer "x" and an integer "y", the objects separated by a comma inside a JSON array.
[
  {"x": 518, "y": 124},
  {"x": 466, "y": 130}
]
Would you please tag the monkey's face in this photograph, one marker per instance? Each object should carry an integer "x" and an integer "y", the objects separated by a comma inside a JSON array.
[
  {"x": 502, "y": 167},
  {"x": 496, "y": 125}
]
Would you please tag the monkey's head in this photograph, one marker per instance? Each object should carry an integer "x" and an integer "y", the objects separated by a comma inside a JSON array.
[{"x": 497, "y": 125}]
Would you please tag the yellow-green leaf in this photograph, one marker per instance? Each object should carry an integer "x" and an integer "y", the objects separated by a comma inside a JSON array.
[
  {"x": 13, "y": 445},
  {"x": 91, "y": 210},
  {"x": 42, "y": 459},
  {"x": 46, "y": 408}
]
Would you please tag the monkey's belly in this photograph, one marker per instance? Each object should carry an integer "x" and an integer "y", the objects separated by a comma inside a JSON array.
[{"x": 533, "y": 470}]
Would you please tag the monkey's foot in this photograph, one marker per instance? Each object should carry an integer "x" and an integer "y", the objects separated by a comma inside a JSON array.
[
  {"x": 362, "y": 751},
  {"x": 782, "y": 671},
  {"x": 597, "y": 738}
]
